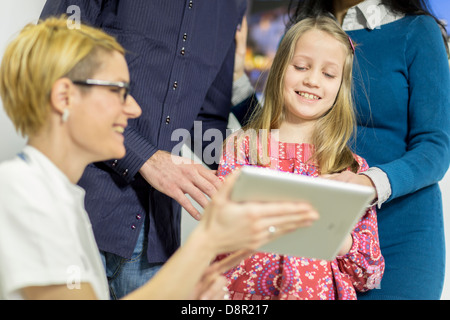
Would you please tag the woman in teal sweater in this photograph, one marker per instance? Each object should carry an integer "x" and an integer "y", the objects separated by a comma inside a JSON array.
[{"x": 402, "y": 94}]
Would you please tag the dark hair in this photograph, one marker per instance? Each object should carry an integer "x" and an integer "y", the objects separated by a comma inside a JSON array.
[{"x": 311, "y": 8}]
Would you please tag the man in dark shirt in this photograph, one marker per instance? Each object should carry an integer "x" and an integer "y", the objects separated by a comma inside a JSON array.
[{"x": 181, "y": 58}]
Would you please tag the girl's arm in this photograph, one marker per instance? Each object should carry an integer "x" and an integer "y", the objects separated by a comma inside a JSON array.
[
  {"x": 360, "y": 258},
  {"x": 363, "y": 264}
]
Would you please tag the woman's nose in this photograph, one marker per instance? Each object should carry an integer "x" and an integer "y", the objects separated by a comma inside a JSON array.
[{"x": 132, "y": 108}]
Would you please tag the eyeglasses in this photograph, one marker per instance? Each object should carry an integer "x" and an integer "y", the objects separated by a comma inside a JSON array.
[{"x": 122, "y": 87}]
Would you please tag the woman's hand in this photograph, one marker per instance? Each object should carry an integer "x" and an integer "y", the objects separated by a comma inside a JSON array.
[
  {"x": 212, "y": 285},
  {"x": 232, "y": 226},
  {"x": 350, "y": 177}
]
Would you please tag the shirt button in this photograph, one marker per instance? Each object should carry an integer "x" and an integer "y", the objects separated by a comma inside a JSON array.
[
  {"x": 167, "y": 120},
  {"x": 191, "y": 4},
  {"x": 138, "y": 217},
  {"x": 175, "y": 85},
  {"x": 183, "y": 51},
  {"x": 114, "y": 164},
  {"x": 125, "y": 173},
  {"x": 185, "y": 37},
  {"x": 133, "y": 227}
]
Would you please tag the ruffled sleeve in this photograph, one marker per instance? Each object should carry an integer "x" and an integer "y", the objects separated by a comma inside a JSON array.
[
  {"x": 235, "y": 155},
  {"x": 363, "y": 266}
]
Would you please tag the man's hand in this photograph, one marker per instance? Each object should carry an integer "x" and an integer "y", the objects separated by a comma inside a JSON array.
[{"x": 176, "y": 176}]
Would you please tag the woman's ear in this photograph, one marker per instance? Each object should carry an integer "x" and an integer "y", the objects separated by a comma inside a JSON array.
[{"x": 61, "y": 95}]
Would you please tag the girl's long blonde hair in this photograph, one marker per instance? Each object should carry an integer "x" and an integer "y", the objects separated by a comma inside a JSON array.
[{"x": 336, "y": 127}]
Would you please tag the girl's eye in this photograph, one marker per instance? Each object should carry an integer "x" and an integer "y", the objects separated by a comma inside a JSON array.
[
  {"x": 329, "y": 75},
  {"x": 299, "y": 68}
]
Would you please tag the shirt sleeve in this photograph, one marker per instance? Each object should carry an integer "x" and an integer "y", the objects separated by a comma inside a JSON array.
[
  {"x": 428, "y": 152},
  {"x": 363, "y": 266},
  {"x": 37, "y": 246},
  {"x": 233, "y": 157},
  {"x": 216, "y": 107},
  {"x": 382, "y": 185},
  {"x": 89, "y": 10},
  {"x": 138, "y": 149}
]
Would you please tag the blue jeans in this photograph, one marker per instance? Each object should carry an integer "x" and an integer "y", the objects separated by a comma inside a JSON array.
[{"x": 126, "y": 275}]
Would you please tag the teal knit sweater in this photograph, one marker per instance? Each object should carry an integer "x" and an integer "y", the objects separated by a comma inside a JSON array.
[
  {"x": 402, "y": 69},
  {"x": 406, "y": 127}
]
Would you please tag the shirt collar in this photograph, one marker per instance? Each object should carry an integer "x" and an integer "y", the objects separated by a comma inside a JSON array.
[
  {"x": 369, "y": 14},
  {"x": 50, "y": 171}
]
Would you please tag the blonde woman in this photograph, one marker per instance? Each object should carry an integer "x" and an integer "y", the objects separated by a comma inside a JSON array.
[
  {"x": 308, "y": 117},
  {"x": 67, "y": 91}
]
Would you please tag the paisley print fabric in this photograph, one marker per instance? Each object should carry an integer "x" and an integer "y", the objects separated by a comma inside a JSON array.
[{"x": 273, "y": 276}]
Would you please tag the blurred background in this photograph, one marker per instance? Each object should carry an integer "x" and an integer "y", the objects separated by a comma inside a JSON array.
[{"x": 266, "y": 24}]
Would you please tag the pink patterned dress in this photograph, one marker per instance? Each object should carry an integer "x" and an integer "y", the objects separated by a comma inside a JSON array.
[{"x": 273, "y": 276}]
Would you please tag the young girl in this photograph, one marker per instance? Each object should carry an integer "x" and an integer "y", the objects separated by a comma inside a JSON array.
[{"x": 307, "y": 101}]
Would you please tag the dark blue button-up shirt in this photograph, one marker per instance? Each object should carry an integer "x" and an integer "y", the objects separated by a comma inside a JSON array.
[{"x": 181, "y": 56}]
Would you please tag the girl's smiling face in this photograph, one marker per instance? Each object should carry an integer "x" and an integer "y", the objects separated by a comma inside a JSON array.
[{"x": 313, "y": 77}]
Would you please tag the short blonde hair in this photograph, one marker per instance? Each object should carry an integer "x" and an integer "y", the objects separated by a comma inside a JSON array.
[
  {"x": 40, "y": 55},
  {"x": 336, "y": 127}
]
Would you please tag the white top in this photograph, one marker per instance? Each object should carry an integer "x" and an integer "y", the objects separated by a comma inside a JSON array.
[
  {"x": 370, "y": 14},
  {"x": 45, "y": 234}
]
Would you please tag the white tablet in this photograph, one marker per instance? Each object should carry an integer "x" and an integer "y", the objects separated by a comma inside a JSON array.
[{"x": 339, "y": 204}]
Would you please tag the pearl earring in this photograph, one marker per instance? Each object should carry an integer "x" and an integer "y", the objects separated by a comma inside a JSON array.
[{"x": 65, "y": 115}]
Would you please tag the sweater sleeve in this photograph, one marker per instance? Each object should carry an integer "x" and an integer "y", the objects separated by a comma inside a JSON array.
[{"x": 428, "y": 152}]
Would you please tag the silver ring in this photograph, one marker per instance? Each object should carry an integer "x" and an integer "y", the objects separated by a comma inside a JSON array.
[{"x": 272, "y": 230}]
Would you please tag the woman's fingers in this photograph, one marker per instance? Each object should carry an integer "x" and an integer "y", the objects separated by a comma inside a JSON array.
[
  {"x": 230, "y": 261},
  {"x": 248, "y": 225}
]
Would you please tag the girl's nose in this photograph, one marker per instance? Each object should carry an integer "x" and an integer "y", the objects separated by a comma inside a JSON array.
[{"x": 312, "y": 78}]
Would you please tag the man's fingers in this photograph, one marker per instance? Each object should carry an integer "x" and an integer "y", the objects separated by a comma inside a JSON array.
[
  {"x": 227, "y": 186},
  {"x": 188, "y": 206},
  {"x": 197, "y": 195},
  {"x": 208, "y": 187},
  {"x": 212, "y": 178}
]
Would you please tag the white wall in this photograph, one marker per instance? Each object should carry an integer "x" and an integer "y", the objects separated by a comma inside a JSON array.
[
  {"x": 15, "y": 14},
  {"x": 445, "y": 187}
]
